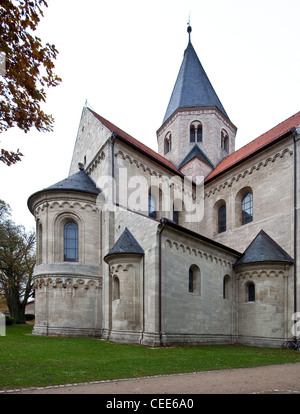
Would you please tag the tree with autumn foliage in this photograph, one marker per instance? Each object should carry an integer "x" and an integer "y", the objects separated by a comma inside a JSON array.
[{"x": 26, "y": 68}]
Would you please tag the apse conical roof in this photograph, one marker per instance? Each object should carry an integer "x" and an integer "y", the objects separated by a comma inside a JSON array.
[
  {"x": 126, "y": 244},
  {"x": 264, "y": 249},
  {"x": 79, "y": 181}
]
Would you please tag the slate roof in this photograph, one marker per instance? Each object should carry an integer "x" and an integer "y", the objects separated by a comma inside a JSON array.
[
  {"x": 128, "y": 139},
  {"x": 264, "y": 249},
  {"x": 126, "y": 244},
  {"x": 192, "y": 88},
  {"x": 79, "y": 181},
  {"x": 196, "y": 152},
  {"x": 234, "y": 159}
]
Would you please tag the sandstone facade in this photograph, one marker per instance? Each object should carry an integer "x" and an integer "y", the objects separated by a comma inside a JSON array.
[{"x": 139, "y": 266}]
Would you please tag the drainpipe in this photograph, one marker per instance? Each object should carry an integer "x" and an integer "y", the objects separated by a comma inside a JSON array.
[
  {"x": 143, "y": 304},
  {"x": 113, "y": 139},
  {"x": 296, "y": 135},
  {"x": 163, "y": 222}
]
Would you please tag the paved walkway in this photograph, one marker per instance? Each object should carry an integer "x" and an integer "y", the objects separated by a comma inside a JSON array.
[{"x": 273, "y": 379}]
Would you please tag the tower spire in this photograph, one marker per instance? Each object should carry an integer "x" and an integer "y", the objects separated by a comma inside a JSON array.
[{"x": 189, "y": 29}]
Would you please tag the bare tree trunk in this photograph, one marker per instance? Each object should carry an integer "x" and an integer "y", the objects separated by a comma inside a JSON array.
[{"x": 16, "y": 309}]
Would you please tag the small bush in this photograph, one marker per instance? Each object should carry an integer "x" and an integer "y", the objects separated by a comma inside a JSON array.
[
  {"x": 29, "y": 317},
  {"x": 9, "y": 320},
  {"x": 20, "y": 321}
]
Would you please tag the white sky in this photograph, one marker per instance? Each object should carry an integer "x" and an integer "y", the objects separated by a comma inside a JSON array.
[{"x": 124, "y": 57}]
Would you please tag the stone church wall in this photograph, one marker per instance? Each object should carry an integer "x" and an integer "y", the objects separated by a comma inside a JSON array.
[
  {"x": 91, "y": 138},
  {"x": 212, "y": 124},
  {"x": 268, "y": 177},
  {"x": 204, "y": 315},
  {"x": 68, "y": 295},
  {"x": 265, "y": 321},
  {"x": 133, "y": 316}
]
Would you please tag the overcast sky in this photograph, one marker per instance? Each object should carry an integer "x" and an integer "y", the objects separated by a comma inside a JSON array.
[{"x": 124, "y": 57}]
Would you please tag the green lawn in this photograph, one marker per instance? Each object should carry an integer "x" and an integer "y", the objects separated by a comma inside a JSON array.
[{"x": 27, "y": 360}]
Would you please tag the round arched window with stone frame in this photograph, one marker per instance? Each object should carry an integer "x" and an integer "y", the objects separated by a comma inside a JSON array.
[
  {"x": 71, "y": 242},
  {"x": 247, "y": 208},
  {"x": 194, "y": 280},
  {"x": 222, "y": 219},
  {"x": 168, "y": 143},
  {"x": 244, "y": 206},
  {"x": 116, "y": 288},
  {"x": 39, "y": 243},
  {"x": 227, "y": 287},
  {"x": 224, "y": 140},
  {"x": 250, "y": 292}
]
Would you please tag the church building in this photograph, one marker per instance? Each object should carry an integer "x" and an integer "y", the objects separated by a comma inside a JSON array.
[{"x": 197, "y": 243}]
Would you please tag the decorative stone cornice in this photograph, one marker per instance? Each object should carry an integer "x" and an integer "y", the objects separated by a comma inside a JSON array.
[
  {"x": 63, "y": 204},
  {"x": 100, "y": 156},
  {"x": 261, "y": 273},
  {"x": 67, "y": 282},
  {"x": 154, "y": 173},
  {"x": 248, "y": 171},
  {"x": 198, "y": 253}
]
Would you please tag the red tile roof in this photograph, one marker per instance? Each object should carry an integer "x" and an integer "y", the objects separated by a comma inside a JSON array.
[
  {"x": 256, "y": 145},
  {"x": 137, "y": 144},
  {"x": 229, "y": 162}
]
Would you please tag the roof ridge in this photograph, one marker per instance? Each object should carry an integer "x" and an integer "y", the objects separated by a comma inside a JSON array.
[
  {"x": 196, "y": 152},
  {"x": 136, "y": 143},
  {"x": 257, "y": 144},
  {"x": 276, "y": 126}
]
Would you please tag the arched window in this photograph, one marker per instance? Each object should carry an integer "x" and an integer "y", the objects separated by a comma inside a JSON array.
[
  {"x": 224, "y": 140},
  {"x": 194, "y": 280},
  {"x": 244, "y": 206},
  {"x": 71, "y": 242},
  {"x": 222, "y": 219},
  {"x": 196, "y": 132},
  {"x": 151, "y": 206},
  {"x": 175, "y": 215},
  {"x": 40, "y": 243},
  {"x": 247, "y": 208},
  {"x": 168, "y": 143},
  {"x": 199, "y": 133},
  {"x": 251, "y": 292},
  {"x": 227, "y": 287},
  {"x": 116, "y": 288},
  {"x": 192, "y": 133}
]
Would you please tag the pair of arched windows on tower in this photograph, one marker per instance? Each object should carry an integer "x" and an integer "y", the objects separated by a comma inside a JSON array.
[{"x": 196, "y": 134}]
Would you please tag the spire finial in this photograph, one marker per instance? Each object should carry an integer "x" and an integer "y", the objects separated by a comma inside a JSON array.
[{"x": 189, "y": 29}]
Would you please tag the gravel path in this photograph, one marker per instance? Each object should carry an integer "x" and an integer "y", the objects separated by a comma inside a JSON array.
[{"x": 273, "y": 379}]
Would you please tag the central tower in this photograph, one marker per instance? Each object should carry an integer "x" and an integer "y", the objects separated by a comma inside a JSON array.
[{"x": 196, "y": 133}]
